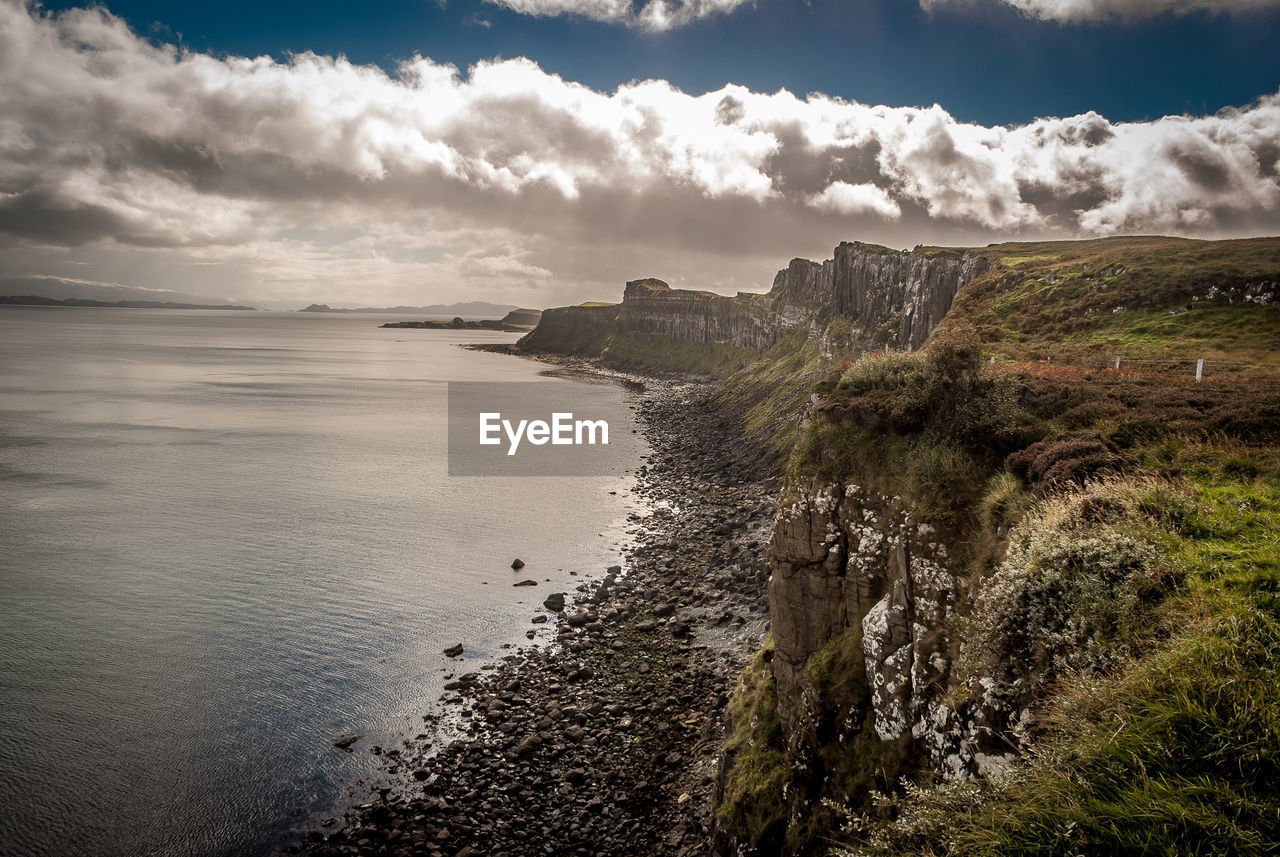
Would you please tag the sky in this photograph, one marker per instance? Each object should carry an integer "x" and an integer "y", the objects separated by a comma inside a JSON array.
[{"x": 542, "y": 152}]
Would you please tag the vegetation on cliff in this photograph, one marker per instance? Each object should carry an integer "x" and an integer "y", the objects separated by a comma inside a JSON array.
[
  {"x": 1166, "y": 747},
  {"x": 1118, "y": 533},
  {"x": 749, "y": 806},
  {"x": 1130, "y": 582}
]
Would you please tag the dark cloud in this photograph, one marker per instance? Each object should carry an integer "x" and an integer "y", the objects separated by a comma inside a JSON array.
[
  {"x": 41, "y": 214},
  {"x": 1201, "y": 164},
  {"x": 1062, "y": 201},
  {"x": 799, "y": 166}
]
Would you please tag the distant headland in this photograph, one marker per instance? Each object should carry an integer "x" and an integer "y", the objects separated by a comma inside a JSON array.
[{"x": 516, "y": 321}]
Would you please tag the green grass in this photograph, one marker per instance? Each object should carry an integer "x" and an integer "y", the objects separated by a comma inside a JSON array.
[
  {"x": 771, "y": 393},
  {"x": 1177, "y": 750},
  {"x": 754, "y": 808},
  {"x": 1217, "y": 333},
  {"x": 654, "y": 352},
  {"x": 1144, "y": 297}
]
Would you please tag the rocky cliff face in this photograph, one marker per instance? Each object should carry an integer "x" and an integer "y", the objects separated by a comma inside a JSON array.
[
  {"x": 890, "y": 299},
  {"x": 576, "y": 330},
  {"x": 893, "y": 298},
  {"x": 864, "y": 602},
  {"x": 853, "y": 565},
  {"x": 651, "y": 307}
]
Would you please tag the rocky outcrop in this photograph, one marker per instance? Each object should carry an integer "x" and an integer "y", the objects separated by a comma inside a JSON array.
[
  {"x": 576, "y": 330},
  {"x": 897, "y": 298},
  {"x": 885, "y": 298},
  {"x": 855, "y": 565},
  {"x": 651, "y": 307},
  {"x": 522, "y": 317}
]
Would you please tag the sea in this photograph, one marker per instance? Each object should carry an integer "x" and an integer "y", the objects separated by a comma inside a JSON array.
[{"x": 229, "y": 538}]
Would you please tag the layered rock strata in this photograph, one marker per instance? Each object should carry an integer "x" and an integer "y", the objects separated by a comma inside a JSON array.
[{"x": 889, "y": 298}]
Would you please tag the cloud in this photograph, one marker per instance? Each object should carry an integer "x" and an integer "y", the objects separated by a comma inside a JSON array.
[
  {"x": 651, "y": 15},
  {"x": 509, "y": 262},
  {"x": 1085, "y": 11},
  {"x": 312, "y": 170},
  {"x": 845, "y": 198},
  {"x": 660, "y": 15}
]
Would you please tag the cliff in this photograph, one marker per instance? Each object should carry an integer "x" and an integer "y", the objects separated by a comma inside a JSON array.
[
  {"x": 527, "y": 317},
  {"x": 1016, "y": 606},
  {"x": 888, "y": 299},
  {"x": 999, "y": 583}
]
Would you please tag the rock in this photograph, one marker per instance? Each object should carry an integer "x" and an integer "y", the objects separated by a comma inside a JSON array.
[
  {"x": 576, "y": 620},
  {"x": 346, "y": 741},
  {"x": 453, "y": 651},
  {"x": 517, "y": 564},
  {"x": 528, "y": 744},
  {"x": 554, "y": 602},
  {"x": 526, "y": 583}
]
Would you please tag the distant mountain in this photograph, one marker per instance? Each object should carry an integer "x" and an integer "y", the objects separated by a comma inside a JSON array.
[
  {"x": 37, "y": 300},
  {"x": 470, "y": 308},
  {"x": 62, "y": 289}
]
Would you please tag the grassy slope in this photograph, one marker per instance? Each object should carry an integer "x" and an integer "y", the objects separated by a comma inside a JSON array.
[
  {"x": 651, "y": 352},
  {"x": 1175, "y": 751},
  {"x": 1060, "y": 298}
]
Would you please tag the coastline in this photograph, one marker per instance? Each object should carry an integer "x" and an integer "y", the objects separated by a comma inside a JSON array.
[{"x": 607, "y": 741}]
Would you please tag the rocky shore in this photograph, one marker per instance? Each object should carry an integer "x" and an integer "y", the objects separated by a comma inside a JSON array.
[{"x": 604, "y": 742}]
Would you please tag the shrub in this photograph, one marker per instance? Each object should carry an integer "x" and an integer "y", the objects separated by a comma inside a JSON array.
[
  {"x": 1136, "y": 432},
  {"x": 1246, "y": 421},
  {"x": 1065, "y": 459},
  {"x": 1091, "y": 412},
  {"x": 942, "y": 391},
  {"x": 1075, "y": 590}
]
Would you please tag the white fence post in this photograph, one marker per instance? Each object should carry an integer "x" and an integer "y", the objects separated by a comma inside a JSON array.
[
  {"x": 1199, "y": 369},
  {"x": 1117, "y": 364}
]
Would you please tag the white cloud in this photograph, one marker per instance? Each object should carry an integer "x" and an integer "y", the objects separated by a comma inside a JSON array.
[
  {"x": 652, "y": 15},
  {"x": 845, "y": 198},
  {"x": 1082, "y": 11},
  {"x": 312, "y": 170},
  {"x": 508, "y": 262}
]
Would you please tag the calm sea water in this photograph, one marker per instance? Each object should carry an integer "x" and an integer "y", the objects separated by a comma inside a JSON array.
[{"x": 227, "y": 538}]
